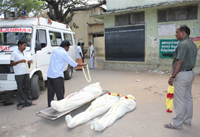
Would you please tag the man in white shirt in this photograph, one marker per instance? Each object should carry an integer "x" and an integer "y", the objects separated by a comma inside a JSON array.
[
  {"x": 18, "y": 60},
  {"x": 91, "y": 55},
  {"x": 55, "y": 74},
  {"x": 79, "y": 56}
]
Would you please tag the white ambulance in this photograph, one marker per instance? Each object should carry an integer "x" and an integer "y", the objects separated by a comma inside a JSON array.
[{"x": 42, "y": 36}]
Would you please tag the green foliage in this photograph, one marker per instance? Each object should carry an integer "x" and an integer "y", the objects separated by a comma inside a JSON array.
[
  {"x": 20, "y": 5},
  {"x": 57, "y": 10},
  {"x": 75, "y": 26}
]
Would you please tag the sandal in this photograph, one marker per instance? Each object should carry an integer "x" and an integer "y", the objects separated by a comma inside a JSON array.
[
  {"x": 19, "y": 108},
  {"x": 170, "y": 126}
]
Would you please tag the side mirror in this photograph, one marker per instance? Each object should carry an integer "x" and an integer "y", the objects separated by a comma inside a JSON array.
[{"x": 37, "y": 46}]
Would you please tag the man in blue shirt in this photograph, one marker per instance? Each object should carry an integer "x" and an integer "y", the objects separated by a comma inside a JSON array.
[{"x": 55, "y": 74}]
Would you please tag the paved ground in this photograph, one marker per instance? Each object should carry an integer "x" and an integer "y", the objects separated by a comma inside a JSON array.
[{"x": 146, "y": 120}]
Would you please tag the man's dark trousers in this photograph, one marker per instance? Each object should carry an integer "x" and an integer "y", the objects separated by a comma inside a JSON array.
[
  {"x": 23, "y": 90},
  {"x": 55, "y": 85}
]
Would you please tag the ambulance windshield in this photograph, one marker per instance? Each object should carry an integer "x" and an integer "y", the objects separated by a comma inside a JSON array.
[{"x": 9, "y": 38}]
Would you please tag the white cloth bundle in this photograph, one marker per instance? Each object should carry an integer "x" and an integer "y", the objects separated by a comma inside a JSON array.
[
  {"x": 124, "y": 105},
  {"x": 98, "y": 107},
  {"x": 76, "y": 99}
]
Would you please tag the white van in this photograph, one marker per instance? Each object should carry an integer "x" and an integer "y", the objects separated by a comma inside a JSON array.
[{"x": 42, "y": 36}]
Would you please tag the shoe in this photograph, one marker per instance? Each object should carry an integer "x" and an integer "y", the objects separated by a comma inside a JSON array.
[
  {"x": 19, "y": 108},
  {"x": 170, "y": 126},
  {"x": 187, "y": 124},
  {"x": 32, "y": 104}
]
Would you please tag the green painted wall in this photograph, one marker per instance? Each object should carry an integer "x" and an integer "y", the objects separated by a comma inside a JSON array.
[
  {"x": 152, "y": 39},
  {"x": 119, "y": 4}
]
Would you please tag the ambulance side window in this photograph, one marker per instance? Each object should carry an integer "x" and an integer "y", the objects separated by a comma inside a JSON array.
[
  {"x": 68, "y": 37},
  {"x": 41, "y": 37},
  {"x": 55, "y": 38}
]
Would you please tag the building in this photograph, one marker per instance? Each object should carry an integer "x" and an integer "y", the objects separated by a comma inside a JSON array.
[
  {"x": 90, "y": 29},
  {"x": 140, "y": 35}
]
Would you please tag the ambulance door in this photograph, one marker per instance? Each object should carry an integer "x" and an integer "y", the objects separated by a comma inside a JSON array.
[
  {"x": 72, "y": 49},
  {"x": 43, "y": 55}
]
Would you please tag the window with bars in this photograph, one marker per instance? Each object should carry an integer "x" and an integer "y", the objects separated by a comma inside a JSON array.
[
  {"x": 177, "y": 14},
  {"x": 129, "y": 19}
]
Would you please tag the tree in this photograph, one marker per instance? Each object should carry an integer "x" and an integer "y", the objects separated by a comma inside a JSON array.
[
  {"x": 64, "y": 10},
  {"x": 29, "y": 6},
  {"x": 58, "y": 10}
]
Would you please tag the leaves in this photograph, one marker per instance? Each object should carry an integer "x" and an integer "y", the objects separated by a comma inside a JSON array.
[
  {"x": 57, "y": 10},
  {"x": 20, "y": 5}
]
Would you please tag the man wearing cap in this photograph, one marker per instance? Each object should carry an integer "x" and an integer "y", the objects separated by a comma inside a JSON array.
[
  {"x": 182, "y": 78},
  {"x": 55, "y": 74}
]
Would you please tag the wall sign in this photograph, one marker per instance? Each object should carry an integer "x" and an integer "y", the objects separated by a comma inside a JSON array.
[
  {"x": 196, "y": 41},
  {"x": 167, "y": 47},
  {"x": 125, "y": 43},
  {"x": 166, "y": 29}
]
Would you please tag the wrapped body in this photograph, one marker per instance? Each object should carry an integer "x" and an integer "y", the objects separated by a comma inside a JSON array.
[
  {"x": 76, "y": 99},
  {"x": 98, "y": 107},
  {"x": 124, "y": 105}
]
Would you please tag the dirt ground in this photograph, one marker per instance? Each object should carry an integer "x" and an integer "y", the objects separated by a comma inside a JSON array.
[{"x": 149, "y": 88}]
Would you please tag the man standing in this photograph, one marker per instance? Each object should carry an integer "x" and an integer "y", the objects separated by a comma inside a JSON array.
[
  {"x": 18, "y": 60},
  {"x": 182, "y": 78},
  {"x": 55, "y": 74},
  {"x": 79, "y": 56},
  {"x": 91, "y": 55}
]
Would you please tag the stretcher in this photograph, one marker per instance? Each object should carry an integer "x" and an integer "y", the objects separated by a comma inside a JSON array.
[{"x": 52, "y": 114}]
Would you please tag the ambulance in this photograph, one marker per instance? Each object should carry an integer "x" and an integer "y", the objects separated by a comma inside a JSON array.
[{"x": 42, "y": 36}]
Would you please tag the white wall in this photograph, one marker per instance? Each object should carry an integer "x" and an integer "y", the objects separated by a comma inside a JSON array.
[{"x": 118, "y": 4}]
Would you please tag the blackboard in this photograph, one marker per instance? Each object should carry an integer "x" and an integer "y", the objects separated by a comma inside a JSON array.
[
  {"x": 167, "y": 47},
  {"x": 125, "y": 43}
]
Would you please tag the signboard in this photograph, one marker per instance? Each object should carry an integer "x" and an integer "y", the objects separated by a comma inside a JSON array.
[
  {"x": 166, "y": 29},
  {"x": 125, "y": 43},
  {"x": 4, "y": 48},
  {"x": 196, "y": 41},
  {"x": 167, "y": 47},
  {"x": 25, "y": 30}
]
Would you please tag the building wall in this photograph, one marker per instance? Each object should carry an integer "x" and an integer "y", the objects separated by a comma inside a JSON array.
[
  {"x": 99, "y": 48},
  {"x": 118, "y": 4},
  {"x": 152, "y": 60},
  {"x": 85, "y": 32}
]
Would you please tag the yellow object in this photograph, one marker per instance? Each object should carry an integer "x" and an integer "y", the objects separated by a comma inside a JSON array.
[
  {"x": 170, "y": 89},
  {"x": 169, "y": 103},
  {"x": 31, "y": 66},
  {"x": 115, "y": 94},
  {"x": 169, "y": 99},
  {"x": 89, "y": 78},
  {"x": 129, "y": 98}
]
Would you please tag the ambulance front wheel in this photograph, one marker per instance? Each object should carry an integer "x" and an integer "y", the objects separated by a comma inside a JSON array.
[
  {"x": 35, "y": 90},
  {"x": 68, "y": 73}
]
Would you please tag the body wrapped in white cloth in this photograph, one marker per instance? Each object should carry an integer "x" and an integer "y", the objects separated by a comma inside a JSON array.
[
  {"x": 76, "y": 99},
  {"x": 124, "y": 105},
  {"x": 98, "y": 107}
]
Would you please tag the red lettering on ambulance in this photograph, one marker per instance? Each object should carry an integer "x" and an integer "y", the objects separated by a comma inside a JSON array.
[{"x": 24, "y": 30}]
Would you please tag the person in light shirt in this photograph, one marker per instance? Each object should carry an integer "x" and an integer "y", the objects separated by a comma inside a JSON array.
[
  {"x": 91, "y": 55},
  {"x": 79, "y": 56},
  {"x": 18, "y": 60},
  {"x": 55, "y": 74}
]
